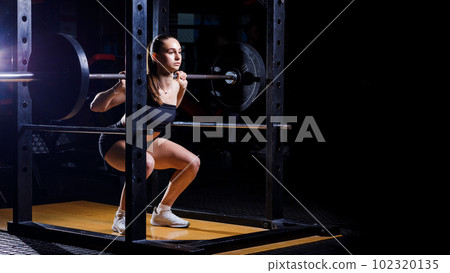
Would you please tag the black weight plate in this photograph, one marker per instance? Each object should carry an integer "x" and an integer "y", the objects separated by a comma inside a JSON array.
[
  {"x": 246, "y": 62},
  {"x": 60, "y": 63}
]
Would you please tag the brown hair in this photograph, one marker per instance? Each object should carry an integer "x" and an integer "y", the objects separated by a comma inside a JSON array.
[{"x": 154, "y": 47}]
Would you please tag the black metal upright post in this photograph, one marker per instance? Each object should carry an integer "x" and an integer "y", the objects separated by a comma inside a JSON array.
[
  {"x": 274, "y": 107},
  {"x": 136, "y": 95},
  {"x": 159, "y": 24},
  {"x": 23, "y": 196},
  {"x": 160, "y": 17}
]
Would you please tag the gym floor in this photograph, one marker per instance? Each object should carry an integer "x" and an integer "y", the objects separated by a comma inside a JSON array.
[{"x": 97, "y": 217}]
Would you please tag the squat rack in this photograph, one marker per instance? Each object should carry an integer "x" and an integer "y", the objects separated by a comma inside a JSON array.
[{"x": 134, "y": 240}]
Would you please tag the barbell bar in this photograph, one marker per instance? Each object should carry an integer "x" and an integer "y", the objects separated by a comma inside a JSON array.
[
  {"x": 18, "y": 76},
  {"x": 228, "y": 125},
  {"x": 121, "y": 131}
]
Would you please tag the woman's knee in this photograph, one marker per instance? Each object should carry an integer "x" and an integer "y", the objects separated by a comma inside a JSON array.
[{"x": 195, "y": 164}]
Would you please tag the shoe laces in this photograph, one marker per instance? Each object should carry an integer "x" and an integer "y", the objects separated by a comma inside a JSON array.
[
  {"x": 120, "y": 219},
  {"x": 169, "y": 214}
]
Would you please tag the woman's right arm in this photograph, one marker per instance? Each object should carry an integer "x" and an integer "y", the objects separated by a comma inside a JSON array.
[{"x": 110, "y": 98}]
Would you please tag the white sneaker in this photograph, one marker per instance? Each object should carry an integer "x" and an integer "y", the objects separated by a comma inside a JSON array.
[
  {"x": 167, "y": 219},
  {"x": 119, "y": 223}
]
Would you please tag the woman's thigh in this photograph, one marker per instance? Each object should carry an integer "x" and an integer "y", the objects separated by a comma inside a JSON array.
[
  {"x": 168, "y": 154},
  {"x": 115, "y": 156}
]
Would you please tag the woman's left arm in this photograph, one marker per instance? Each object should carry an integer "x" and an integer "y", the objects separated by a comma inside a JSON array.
[{"x": 181, "y": 79}]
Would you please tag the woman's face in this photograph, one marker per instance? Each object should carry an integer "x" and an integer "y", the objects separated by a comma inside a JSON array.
[{"x": 170, "y": 55}]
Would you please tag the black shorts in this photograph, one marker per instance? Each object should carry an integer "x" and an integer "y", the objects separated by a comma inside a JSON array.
[{"x": 106, "y": 141}]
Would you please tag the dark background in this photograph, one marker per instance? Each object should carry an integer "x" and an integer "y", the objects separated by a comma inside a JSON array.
[{"x": 377, "y": 175}]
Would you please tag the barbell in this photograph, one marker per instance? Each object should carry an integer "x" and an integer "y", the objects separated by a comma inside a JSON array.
[
  {"x": 18, "y": 76},
  {"x": 58, "y": 76}
]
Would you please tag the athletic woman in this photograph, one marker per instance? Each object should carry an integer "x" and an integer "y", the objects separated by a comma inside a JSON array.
[{"x": 164, "y": 93}]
